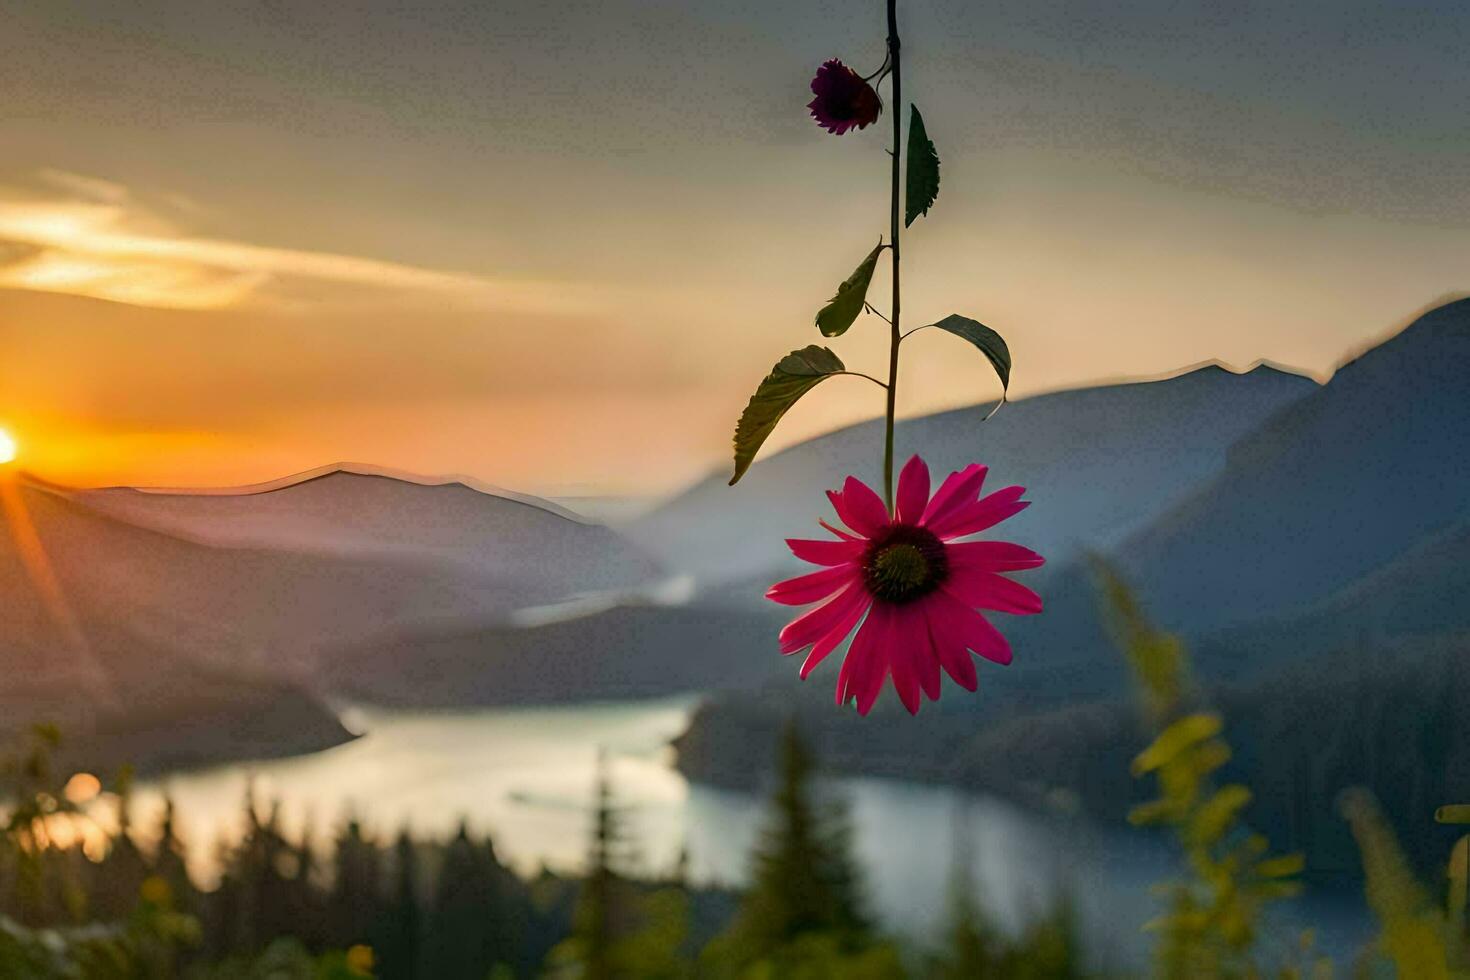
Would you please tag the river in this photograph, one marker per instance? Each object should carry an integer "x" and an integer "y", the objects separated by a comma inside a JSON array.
[{"x": 525, "y": 776}]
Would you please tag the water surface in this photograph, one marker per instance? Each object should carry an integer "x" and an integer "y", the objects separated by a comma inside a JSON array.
[{"x": 525, "y": 776}]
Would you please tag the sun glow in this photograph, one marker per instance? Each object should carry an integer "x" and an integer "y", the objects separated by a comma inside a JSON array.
[{"x": 7, "y": 448}]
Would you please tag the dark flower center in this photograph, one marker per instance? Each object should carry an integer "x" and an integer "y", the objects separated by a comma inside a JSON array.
[{"x": 904, "y": 563}]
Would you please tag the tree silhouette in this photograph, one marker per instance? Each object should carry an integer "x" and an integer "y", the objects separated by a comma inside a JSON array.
[
  {"x": 804, "y": 882},
  {"x": 399, "y": 934},
  {"x": 354, "y": 906}
]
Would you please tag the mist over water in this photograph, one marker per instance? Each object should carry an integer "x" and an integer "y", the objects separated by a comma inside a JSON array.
[{"x": 525, "y": 775}]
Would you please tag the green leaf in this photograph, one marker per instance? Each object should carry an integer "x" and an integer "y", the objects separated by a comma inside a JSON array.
[
  {"x": 922, "y": 186},
  {"x": 1154, "y": 811},
  {"x": 1284, "y": 866},
  {"x": 1218, "y": 814},
  {"x": 841, "y": 310},
  {"x": 793, "y": 376},
  {"x": 1182, "y": 734},
  {"x": 991, "y": 344}
]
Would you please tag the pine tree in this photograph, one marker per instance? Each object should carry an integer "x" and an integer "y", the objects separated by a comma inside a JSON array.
[
  {"x": 465, "y": 914},
  {"x": 118, "y": 880},
  {"x": 971, "y": 946},
  {"x": 605, "y": 905},
  {"x": 400, "y": 929},
  {"x": 354, "y": 906},
  {"x": 169, "y": 864},
  {"x": 805, "y": 885},
  {"x": 596, "y": 913}
]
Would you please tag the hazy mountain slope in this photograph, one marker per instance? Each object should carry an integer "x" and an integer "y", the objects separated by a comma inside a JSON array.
[
  {"x": 272, "y": 608},
  {"x": 1097, "y": 461},
  {"x": 1320, "y": 530},
  {"x": 498, "y": 537},
  {"x": 117, "y": 689},
  {"x": 1331, "y": 488},
  {"x": 1422, "y": 592},
  {"x": 625, "y": 652},
  {"x": 1341, "y": 523},
  {"x": 1302, "y": 733}
]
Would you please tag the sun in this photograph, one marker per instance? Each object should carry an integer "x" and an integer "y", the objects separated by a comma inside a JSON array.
[{"x": 7, "y": 448}]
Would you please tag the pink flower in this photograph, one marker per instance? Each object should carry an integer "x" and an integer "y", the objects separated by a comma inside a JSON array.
[
  {"x": 920, "y": 589},
  {"x": 844, "y": 99}
]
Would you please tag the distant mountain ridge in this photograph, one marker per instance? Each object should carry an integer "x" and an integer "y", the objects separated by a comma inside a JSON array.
[
  {"x": 485, "y": 553},
  {"x": 1098, "y": 462},
  {"x": 1244, "y": 506},
  {"x": 1335, "y": 532},
  {"x": 126, "y": 608},
  {"x": 356, "y": 469},
  {"x": 115, "y": 675}
]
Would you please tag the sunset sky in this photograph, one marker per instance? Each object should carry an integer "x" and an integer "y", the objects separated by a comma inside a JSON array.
[{"x": 556, "y": 245}]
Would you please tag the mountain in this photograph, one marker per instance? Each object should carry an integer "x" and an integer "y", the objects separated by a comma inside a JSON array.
[
  {"x": 518, "y": 549},
  {"x": 1327, "y": 491},
  {"x": 627, "y": 651},
  {"x": 1098, "y": 462},
  {"x": 346, "y": 562},
  {"x": 1081, "y": 451},
  {"x": 1419, "y": 593},
  {"x": 1301, "y": 733},
  {"x": 1338, "y": 525},
  {"x": 120, "y": 680}
]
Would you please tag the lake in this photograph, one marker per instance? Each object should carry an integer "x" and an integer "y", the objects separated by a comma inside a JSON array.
[{"x": 525, "y": 776}]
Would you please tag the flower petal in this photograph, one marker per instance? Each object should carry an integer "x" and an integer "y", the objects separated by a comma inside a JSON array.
[
  {"x": 857, "y": 654},
  {"x": 811, "y": 588},
  {"x": 981, "y": 514},
  {"x": 822, "y": 552},
  {"x": 914, "y": 628},
  {"x": 834, "y": 637},
  {"x": 860, "y": 508},
  {"x": 913, "y": 491},
  {"x": 959, "y": 488},
  {"x": 988, "y": 590},
  {"x": 872, "y": 671},
  {"x": 814, "y": 624},
  {"x": 975, "y": 632},
  {"x": 983, "y": 638},
  {"x": 838, "y": 531},
  {"x": 992, "y": 556},
  {"x": 901, "y": 646},
  {"x": 949, "y": 642}
]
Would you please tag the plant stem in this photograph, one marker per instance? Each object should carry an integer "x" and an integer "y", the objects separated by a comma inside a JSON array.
[{"x": 894, "y": 228}]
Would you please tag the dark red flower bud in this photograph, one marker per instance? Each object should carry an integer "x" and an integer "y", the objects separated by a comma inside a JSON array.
[{"x": 843, "y": 100}]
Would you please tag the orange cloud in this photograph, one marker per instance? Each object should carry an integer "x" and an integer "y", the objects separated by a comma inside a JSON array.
[{"x": 89, "y": 237}]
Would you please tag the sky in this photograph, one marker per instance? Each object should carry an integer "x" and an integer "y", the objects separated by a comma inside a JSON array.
[{"x": 555, "y": 246}]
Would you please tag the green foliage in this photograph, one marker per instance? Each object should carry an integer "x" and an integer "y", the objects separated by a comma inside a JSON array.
[
  {"x": 843, "y": 309},
  {"x": 144, "y": 946},
  {"x": 922, "y": 184},
  {"x": 793, "y": 376},
  {"x": 618, "y": 932},
  {"x": 655, "y": 949},
  {"x": 1213, "y": 909},
  {"x": 44, "y": 886},
  {"x": 288, "y": 959},
  {"x": 399, "y": 937},
  {"x": 1048, "y": 949},
  {"x": 1416, "y": 938},
  {"x": 987, "y": 341},
  {"x": 972, "y": 946},
  {"x": 805, "y": 891},
  {"x": 475, "y": 921},
  {"x": 825, "y": 956}
]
